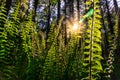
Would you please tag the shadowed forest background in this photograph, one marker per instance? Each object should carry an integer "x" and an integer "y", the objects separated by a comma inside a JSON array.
[{"x": 59, "y": 39}]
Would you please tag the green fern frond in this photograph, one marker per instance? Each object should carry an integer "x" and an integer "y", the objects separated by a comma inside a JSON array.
[{"x": 93, "y": 40}]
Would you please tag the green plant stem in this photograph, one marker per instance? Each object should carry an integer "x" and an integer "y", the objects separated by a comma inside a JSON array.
[{"x": 91, "y": 43}]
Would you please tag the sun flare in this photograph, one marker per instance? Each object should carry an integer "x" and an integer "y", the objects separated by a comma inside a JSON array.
[{"x": 75, "y": 27}]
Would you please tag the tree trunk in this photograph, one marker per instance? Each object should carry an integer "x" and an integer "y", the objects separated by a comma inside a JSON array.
[
  {"x": 48, "y": 19},
  {"x": 115, "y": 5},
  {"x": 78, "y": 10},
  {"x": 118, "y": 49},
  {"x": 70, "y": 4},
  {"x": 7, "y": 6},
  {"x": 110, "y": 24},
  {"x": 58, "y": 11},
  {"x": 35, "y": 8},
  {"x": 65, "y": 24}
]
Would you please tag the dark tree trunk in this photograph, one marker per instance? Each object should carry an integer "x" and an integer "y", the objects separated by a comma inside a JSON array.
[
  {"x": 72, "y": 8},
  {"x": 85, "y": 6},
  {"x": 7, "y": 6},
  {"x": 65, "y": 8},
  {"x": 115, "y": 5},
  {"x": 70, "y": 4},
  {"x": 48, "y": 19},
  {"x": 110, "y": 24},
  {"x": 58, "y": 11},
  {"x": 65, "y": 23},
  {"x": 35, "y": 8},
  {"x": 78, "y": 9},
  {"x": 118, "y": 49}
]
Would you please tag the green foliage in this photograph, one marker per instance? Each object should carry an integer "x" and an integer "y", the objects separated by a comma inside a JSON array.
[
  {"x": 26, "y": 53},
  {"x": 5, "y": 68},
  {"x": 54, "y": 2},
  {"x": 92, "y": 52},
  {"x": 18, "y": 49},
  {"x": 113, "y": 60},
  {"x": 51, "y": 65},
  {"x": 109, "y": 65}
]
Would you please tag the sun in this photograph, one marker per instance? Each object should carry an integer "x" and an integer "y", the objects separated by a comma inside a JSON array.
[{"x": 75, "y": 27}]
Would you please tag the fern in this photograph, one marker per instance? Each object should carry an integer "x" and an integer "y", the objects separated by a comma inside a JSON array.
[
  {"x": 5, "y": 60},
  {"x": 18, "y": 48},
  {"x": 112, "y": 58},
  {"x": 2, "y": 42},
  {"x": 109, "y": 62},
  {"x": 93, "y": 48},
  {"x": 51, "y": 61}
]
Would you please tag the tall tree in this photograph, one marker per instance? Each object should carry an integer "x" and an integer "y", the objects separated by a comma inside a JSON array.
[
  {"x": 78, "y": 9},
  {"x": 58, "y": 11},
  {"x": 115, "y": 5},
  {"x": 35, "y": 8},
  {"x": 48, "y": 18},
  {"x": 8, "y": 4},
  {"x": 110, "y": 23}
]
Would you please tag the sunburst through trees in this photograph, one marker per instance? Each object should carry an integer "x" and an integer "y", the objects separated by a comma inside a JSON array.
[{"x": 59, "y": 40}]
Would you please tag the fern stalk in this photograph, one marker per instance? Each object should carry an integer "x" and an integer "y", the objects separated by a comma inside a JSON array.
[{"x": 91, "y": 42}]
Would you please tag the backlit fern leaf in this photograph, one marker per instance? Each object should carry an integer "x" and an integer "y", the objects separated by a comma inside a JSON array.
[
  {"x": 51, "y": 61},
  {"x": 5, "y": 70},
  {"x": 93, "y": 43}
]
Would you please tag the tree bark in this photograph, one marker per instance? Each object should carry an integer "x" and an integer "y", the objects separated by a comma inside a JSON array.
[
  {"x": 115, "y": 5},
  {"x": 58, "y": 11},
  {"x": 35, "y": 8},
  {"x": 70, "y": 4},
  {"x": 48, "y": 19},
  {"x": 64, "y": 28},
  {"x": 78, "y": 10},
  {"x": 110, "y": 24},
  {"x": 7, "y": 6},
  {"x": 118, "y": 49}
]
